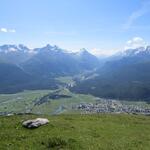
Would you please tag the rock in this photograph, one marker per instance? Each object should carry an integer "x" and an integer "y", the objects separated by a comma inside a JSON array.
[{"x": 35, "y": 123}]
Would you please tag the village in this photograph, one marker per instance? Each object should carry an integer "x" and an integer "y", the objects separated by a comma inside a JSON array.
[{"x": 112, "y": 106}]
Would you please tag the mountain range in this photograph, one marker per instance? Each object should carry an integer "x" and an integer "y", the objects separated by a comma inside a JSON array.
[
  {"x": 125, "y": 75},
  {"x": 23, "y": 68}
]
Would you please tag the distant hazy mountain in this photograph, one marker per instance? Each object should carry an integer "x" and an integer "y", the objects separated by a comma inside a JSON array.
[
  {"x": 53, "y": 61},
  {"x": 23, "y": 68},
  {"x": 10, "y": 76},
  {"x": 13, "y": 79},
  {"x": 125, "y": 77},
  {"x": 86, "y": 60},
  {"x": 137, "y": 52},
  {"x": 14, "y": 54}
]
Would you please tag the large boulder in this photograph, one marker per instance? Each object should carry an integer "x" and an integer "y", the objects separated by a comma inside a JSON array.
[{"x": 35, "y": 123}]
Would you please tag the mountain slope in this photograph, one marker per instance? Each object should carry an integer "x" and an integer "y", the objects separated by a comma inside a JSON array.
[
  {"x": 14, "y": 54},
  {"x": 53, "y": 61},
  {"x": 11, "y": 76},
  {"x": 124, "y": 78},
  {"x": 22, "y": 68},
  {"x": 13, "y": 79}
]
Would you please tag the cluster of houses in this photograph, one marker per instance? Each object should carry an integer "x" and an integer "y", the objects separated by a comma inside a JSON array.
[{"x": 112, "y": 106}]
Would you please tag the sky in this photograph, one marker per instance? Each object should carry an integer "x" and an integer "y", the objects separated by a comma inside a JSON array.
[{"x": 101, "y": 26}]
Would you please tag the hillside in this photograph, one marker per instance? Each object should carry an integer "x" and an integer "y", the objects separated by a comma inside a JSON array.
[
  {"x": 126, "y": 76},
  {"x": 123, "y": 76},
  {"x": 22, "y": 68},
  {"x": 77, "y": 132},
  {"x": 14, "y": 79}
]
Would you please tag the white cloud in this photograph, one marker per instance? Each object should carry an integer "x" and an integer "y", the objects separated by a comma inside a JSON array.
[
  {"x": 5, "y": 30},
  {"x": 135, "y": 43},
  {"x": 145, "y": 8}
]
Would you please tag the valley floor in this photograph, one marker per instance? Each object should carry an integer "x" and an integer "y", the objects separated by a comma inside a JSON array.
[
  {"x": 62, "y": 101},
  {"x": 77, "y": 132}
]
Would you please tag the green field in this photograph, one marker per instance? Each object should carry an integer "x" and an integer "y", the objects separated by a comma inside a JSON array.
[
  {"x": 77, "y": 132},
  {"x": 19, "y": 102},
  {"x": 24, "y": 102}
]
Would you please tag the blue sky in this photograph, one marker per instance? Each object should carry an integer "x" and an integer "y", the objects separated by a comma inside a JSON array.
[{"x": 101, "y": 26}]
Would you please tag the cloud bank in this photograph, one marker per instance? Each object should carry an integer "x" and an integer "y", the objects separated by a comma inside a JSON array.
[
  {"x": 5, "y": 30},
  {"x": 135, "y": 43}
]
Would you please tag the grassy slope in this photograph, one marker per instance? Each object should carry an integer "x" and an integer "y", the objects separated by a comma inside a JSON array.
[{"x": 75, "y": 132}]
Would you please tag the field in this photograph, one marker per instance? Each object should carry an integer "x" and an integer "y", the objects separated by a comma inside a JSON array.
[
  {"x": 50, "y": 102},
  {"x": 25, "y": 102},
  {"x": 19, "y": 102},
  {"x": 77, "y": 132}
]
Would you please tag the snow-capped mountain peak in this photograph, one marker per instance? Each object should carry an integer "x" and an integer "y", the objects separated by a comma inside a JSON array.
[
  {"x": 134, "y": 52},
  {"x": 14, "y": 48},
  {"x": 82, "y": 52}
]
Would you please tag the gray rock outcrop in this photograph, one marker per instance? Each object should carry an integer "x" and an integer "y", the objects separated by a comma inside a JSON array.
[{"x": 35, "y": 123}]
